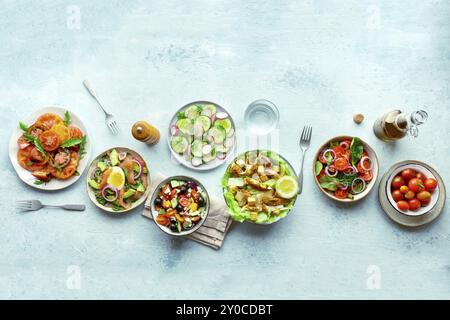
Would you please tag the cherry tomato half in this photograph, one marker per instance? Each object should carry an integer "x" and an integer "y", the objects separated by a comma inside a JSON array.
[
  {"x": 341, "y": 194},
  {"x": 341, "y": 163}
]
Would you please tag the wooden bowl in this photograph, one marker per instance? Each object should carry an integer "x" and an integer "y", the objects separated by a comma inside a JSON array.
[{"x": 375, "y": 170}]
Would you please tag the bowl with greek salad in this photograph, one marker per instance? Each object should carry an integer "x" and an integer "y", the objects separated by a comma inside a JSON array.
[
  {"x": 179, "y": 205},
  {"x": 260, "y": 186},
  {"x": 345, "y": 168},
  {"x": 118, "y": 180},
  {"x": 202, "y": 135}
]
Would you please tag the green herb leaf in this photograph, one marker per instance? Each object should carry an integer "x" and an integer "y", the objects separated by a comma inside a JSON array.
[
  {"x": 34, "y": 140},
  {"x": 356, "y": 150},
  {"x": 71, "y": 143},
  {"x": 39, "y": 182},
  {"x": 329, "y": 183},
  {"x": 67, "y": 118},
  {"x": 77, "y": 174},
  {"x": 23, "y": 126},
  {"x": 83, "y": 147},
  {"x": 181, "y": 115}
]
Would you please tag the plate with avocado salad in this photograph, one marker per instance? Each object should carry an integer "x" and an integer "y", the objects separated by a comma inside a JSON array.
[
  {"x": 260, "y": 186},
  {"x": 118, "y": 180},
  {"x": 202, "y": 135}
]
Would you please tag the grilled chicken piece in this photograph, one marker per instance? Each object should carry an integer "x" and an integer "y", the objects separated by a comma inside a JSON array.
[
  {"x": 273, "y": 201},
  {"x": 255, "y": 184}
]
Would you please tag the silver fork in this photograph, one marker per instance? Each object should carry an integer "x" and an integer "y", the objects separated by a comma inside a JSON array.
[
  {"x": 109, "y": 118},
  {"x": 34, "y": 205},
  {"x": 305, "y": 141}
]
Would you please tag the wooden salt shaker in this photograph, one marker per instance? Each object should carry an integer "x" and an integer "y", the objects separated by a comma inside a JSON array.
[{"x": 145, "y": 132}]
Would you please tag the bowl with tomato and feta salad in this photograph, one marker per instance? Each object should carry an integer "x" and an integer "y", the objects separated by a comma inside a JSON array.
[
  {"x": 412, "y": 189},
  {"x": 179, "y": 205},
  {"x": 346, "y": 168}
]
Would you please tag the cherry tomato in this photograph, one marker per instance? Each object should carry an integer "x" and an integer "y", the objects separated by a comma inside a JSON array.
[
  {"x": 421, "y": 176},
  {"x": 360, "y": 168},
  {"x": 162, "y": 220},
  {"x": 410, "y": 195},
  {"x": 321, "y": 174},
  {"x": 403, "y": 205},
  {"x": 184, "y": 201},
  {"x": 341, "y": 163},
  {"x": 414, "y": 204},
  {"x": 367, "y": 176},
  {"x": 408, "y": 174},
  {"x": 425, "y": 203},
  {"x": 404, "y": 189},
  {"x": 397, "y": 182},
  {"x": 397, "y": 195},
  {"x": 424, "y": 196},
  {"x": 341, "y": 194},
  {"x": 415, "y": 185},
  {"x": 430, "y": 184},
  {"x": 339, "y": 151},
  {"x": 50, "y": 141}
]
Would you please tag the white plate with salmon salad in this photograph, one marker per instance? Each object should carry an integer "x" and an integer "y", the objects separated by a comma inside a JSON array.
[
  {"x": 118, "y": 180},
  {"x": 202, "y": 135},
  {"x": 50, "y": 148}
]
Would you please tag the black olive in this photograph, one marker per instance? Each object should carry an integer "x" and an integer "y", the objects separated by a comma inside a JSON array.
[
  {"x": 183, "y": 189},
  {"x": 158, "y": 202},
  {"x": 179, "y": 208},
  {"x": 201, "y": 201},
  {"x": 173, "y": 227}
]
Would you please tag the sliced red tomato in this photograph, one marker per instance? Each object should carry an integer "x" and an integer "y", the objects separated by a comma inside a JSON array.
[
  {"x": 43, "y": 175},
  {"x": 321, "y": 174},
  {"x": 184, "y": 201},
  {"x": 341, "y": 163},
  {"x": 22, "y": 143},
  {"x": 49, "y": 120},
  {"x": 322, "y": 158},
  {"x": 23, "y": 158},
  {"x": 35, "y": 155},
  {"x": 50, "y": 141},
  {"x": 75, "y": 133},
  {"x": 341, "y": 194},
  {"x": 163, "y": 220},
  {"x": 339, "y": 151},
  {"x": 360, "y": 168},
  {"x": 366, "y": 176},
  {"x": 36, "y": 129}
]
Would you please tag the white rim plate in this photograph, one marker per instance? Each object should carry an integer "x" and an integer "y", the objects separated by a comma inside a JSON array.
[
  {"x": 421, "y": 210},
  {"x": 216, "y": 162},
  {"x": 91, "y": 194},
  {"x": 25, "y": 175}
]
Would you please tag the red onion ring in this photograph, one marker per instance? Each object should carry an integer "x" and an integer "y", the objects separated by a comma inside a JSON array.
[
  {"x": 327, "y": 172},
  {"x": 221, "y": 155},
  {"x": 353, "y": 170},
  {"x": 363, "y": 187},
  {"x": 344, "y": 145},
  {"x": 332, "y": 153},
  {"x": 362, "y": 163},
  {"x": 139, "y": 163},
  {"x": 174, "y": 130},
  {"x": 112, "y": 188},
  {"x": 343, "y": 187}
]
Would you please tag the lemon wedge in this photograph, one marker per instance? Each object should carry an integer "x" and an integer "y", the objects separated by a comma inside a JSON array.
[
  {"x": 117, "y": 178},
  {"x": 287, "y": 187}
]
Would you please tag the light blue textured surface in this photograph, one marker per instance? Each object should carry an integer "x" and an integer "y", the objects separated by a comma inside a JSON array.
[{"x": 319, "y": 61}]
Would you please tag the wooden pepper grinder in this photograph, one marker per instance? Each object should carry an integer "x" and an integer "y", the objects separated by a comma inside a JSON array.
[{"x": 145, "y": 132}]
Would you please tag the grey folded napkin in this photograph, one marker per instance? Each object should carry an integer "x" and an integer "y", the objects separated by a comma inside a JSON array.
[{"x": 213, "y": 231}]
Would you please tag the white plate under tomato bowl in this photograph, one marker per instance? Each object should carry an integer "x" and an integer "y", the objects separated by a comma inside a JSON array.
[
  {"x": 434, "y": 195},
  {"x": 25, "y": 175}
]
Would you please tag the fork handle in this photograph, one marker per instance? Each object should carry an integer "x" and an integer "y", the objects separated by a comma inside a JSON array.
[
  {"x": 91, "y": 91},
  {"x": 300, "y": 175},
  {"x": 74, "y": 207}
]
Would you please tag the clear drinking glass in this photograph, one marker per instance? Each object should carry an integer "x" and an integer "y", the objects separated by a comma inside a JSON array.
[{"x": 261, "y": 117}]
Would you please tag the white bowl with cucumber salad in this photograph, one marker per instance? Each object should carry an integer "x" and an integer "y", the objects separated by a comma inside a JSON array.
[{"x": 202, "y": 135}]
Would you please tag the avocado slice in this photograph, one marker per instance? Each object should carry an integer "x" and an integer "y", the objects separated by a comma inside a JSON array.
[
  {"x": 94, "y": 184},
  {"x": 102, "y": 166},
  {"x": 114, "y": 157},
  {"x": 141, "y": 188},
  {"x": 129, "y": 193}
]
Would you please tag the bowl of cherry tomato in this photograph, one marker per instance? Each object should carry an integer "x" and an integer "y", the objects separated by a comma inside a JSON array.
[{"x": 412, "y": 189}]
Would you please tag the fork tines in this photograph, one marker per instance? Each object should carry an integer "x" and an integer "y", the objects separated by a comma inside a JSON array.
[
  {"x": 23, "y": 205},
  {"x": 306, "y": 134},
  {"x": 114, "y": 127}
]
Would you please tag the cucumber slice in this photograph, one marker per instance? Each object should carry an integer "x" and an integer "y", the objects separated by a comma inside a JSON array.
[
  {"x": 198, "y": 131},
  {"x": 225, "y": 123},
  {"x": 207, "y": 149},
  {"x": 204, "y": 121},
  {"x": 197, "y": 148},
  {"x": 210, "y": 157},
  {"x": 211, "y": 108},
  {"x": 179, "y": 144},
  {"x": 192, "y": 112},
  {"x": 230, "y": 132},
  {"x": 185, "y": 126},
  {"x": 222, "y": 149},
  {"x": 218, "y": 134}
]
